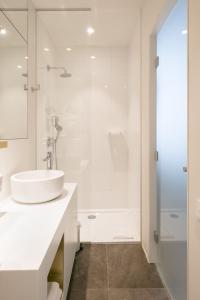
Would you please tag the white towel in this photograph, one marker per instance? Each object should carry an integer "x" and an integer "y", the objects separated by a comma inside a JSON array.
[
  {"x": 54, "y": 291},
  {"x": 59, "y": 294}
]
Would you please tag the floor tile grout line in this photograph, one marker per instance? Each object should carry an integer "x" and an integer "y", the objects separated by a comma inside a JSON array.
[{"x": 107, "y": 272}]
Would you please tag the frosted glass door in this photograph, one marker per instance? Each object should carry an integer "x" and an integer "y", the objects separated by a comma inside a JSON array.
[{"x": 172, "y": 150}]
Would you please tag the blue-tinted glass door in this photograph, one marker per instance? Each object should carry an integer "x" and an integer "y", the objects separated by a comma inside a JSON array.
[{"x": 172, "y": 150}]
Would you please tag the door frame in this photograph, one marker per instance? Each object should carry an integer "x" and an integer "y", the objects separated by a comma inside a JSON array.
[{"x": 152, "y": 167}]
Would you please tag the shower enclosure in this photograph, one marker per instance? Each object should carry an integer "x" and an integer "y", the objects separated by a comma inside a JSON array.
[
  {"x": 172, "y": 151},
  {"x": 99, "y": 145}
]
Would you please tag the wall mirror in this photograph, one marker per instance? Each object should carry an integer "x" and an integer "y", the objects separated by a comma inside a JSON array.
[{"x": 13, "y": 74}]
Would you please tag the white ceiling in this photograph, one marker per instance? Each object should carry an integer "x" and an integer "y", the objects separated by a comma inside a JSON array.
[
  {"x": 94, "y": 4},
  {"x": 18, "y": 18},
  {"x": 13, "y": 38},
  {"x": 113, "y": 21},
  {"x": 20, "y": 21},
  {"x": 13, "y": 3}
]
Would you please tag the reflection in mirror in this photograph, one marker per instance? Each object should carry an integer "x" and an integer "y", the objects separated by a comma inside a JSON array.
[{"x": 13, "y": 74}]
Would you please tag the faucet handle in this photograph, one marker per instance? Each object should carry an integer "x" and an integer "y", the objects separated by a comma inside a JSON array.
[
  {"x": 49, "y": 160},
  {"x": 47, "y": 157},
  {"x": 48, "y": 141}
]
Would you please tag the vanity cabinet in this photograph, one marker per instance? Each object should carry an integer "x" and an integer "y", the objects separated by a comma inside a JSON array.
[{"x": 37, "y": 244}]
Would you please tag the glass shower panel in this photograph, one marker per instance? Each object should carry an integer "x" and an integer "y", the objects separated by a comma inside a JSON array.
[
  {"x": 99, "y": 143},
  {"x": 172, "y": 150}
]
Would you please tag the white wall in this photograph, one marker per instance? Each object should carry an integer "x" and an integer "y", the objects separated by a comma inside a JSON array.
[
  {"x": 194, "y": 149},
  {"x": 134, "y": 117},
  {"x": 91, "y": 104},
  {"x": 20, "y": 154}
]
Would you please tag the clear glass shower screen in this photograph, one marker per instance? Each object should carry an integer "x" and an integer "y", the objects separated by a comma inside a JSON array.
[{"x": 172, "y": 150}]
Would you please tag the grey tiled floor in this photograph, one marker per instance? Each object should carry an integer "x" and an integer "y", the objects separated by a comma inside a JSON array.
[{"x": 114, "y": 272}]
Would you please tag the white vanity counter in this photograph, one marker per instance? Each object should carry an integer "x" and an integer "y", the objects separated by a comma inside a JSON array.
[{"x": 29, "y": 239}]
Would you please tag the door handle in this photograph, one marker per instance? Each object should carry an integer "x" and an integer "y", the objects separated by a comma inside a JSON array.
[{"x": 185, "y": 169}]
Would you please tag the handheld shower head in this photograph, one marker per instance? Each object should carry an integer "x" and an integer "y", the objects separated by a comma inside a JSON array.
[
  {"x": 55, "y": 123},
  {"x": 58, "y": 127}
]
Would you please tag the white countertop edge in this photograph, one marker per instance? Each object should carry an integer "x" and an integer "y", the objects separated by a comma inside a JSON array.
[{"x": 27, "y": 231}]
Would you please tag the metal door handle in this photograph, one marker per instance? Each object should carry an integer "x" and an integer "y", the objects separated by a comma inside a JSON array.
[{"x": 185, "y": 169}]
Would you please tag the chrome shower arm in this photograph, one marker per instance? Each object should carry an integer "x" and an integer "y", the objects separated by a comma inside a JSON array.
[{"x": 55, "y": 68}]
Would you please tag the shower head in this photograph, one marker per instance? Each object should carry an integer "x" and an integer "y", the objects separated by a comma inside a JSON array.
[{"x": 65, "y": 74}]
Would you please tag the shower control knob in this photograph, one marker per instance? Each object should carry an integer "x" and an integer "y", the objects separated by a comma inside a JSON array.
[{"x": 35, "y": 88}]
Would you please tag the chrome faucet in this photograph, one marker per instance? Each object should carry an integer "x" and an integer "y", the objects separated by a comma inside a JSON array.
[{"x": 49, "y": 160}]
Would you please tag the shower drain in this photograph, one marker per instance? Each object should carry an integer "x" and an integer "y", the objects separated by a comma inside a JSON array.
[{"x": 123, "y": 237}]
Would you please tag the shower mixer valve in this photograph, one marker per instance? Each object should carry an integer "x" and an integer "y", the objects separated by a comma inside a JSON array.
[
  {"x": 51, "y": 143},
  {"x": 49, "y": 160}
]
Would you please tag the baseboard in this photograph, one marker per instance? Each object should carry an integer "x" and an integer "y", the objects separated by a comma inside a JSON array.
[{"x": 164, "y": 284}]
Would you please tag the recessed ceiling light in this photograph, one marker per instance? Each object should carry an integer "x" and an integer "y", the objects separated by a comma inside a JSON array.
[
  {"x": 93, "y": 57},
  {"x": 3, "y": 31},
  {"x": 69, "y": 49},
  {"x": 19, "y": 67},
  {"x": 106, "y": 86},
  {"x": 184, "y": 32},
  {"x": 46, "y": 49},
  {"x": 26, "y": 57},
  {"x": 90, "y": 30}
]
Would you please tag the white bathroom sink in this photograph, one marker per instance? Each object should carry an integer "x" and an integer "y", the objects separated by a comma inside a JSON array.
[{"x": 37, "y": 186}]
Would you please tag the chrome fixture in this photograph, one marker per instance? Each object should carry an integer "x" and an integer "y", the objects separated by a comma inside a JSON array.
[
  {"x": 57, "y": 126},
  {"x": 35, "y": 88},
  {"x": 51, "y": 143},
  {"x": 65, "y": 74},
  {"x": 49, "y": 160},
  {"x": 185, "y": 169}
]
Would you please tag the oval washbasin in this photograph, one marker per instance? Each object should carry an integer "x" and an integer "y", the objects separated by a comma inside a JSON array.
[{"x": 37, "y": 186}]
